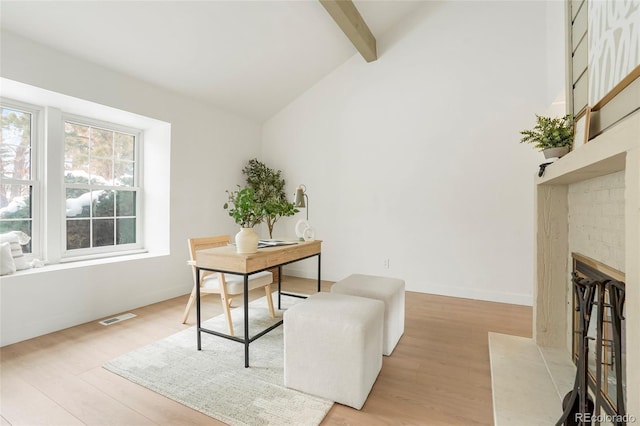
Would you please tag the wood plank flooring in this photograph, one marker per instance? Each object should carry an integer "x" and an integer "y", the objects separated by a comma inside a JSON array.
[{"x": 439, "y": 373}]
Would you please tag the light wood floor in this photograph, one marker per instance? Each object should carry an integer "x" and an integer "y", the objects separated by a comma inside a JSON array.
[{"x": 439, "y": 373}]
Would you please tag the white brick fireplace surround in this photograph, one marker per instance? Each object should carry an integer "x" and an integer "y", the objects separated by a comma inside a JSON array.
[
  {"x": 596, "y": 219},
  {"x": 604, "y": 171}
]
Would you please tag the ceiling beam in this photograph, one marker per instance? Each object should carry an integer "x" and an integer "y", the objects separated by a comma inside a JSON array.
[{"x": 346, "y": 15}]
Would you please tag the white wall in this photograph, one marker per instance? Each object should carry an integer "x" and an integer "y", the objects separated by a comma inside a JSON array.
[
  {"x": 416, "y": 158},
  {"x": 413, "y": 158},
  {"x": 208, "y": 150},
  {"x": 555, "y": 36}
]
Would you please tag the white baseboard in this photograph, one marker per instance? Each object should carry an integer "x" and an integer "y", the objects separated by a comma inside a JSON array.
[
  {"x": 478, "y": 294},
  {"x": 442, "y": 290}
]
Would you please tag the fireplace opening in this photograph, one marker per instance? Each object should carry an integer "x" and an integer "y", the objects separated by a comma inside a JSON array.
[{"x": 606, "y": 367}]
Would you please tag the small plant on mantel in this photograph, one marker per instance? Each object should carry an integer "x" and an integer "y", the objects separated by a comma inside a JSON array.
[{"x": 550, "y": 134}]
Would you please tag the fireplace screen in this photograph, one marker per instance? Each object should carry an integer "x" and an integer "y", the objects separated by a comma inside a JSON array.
[{"x": 606, "y": 335}]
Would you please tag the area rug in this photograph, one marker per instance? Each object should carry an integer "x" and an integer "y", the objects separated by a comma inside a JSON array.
[{"x": 214, "y": 380}]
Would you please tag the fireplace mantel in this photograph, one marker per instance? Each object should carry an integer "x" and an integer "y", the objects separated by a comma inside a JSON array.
[
  {"x": 603, "y": 155},
  {"x": 617, "y": 149}
]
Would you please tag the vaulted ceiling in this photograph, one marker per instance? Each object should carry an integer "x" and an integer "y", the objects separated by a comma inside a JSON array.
[{"x": 248, "y": 57}]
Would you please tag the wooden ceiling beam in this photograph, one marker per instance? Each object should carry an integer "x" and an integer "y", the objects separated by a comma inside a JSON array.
[{"x": 346, "y": 15}]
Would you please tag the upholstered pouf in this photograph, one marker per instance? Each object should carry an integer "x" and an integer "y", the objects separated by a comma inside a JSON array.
[
  {"x": 388, "y": 290},
  {"x": 333, "y": 347}
]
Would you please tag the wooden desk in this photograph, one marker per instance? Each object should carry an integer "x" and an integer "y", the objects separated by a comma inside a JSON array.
[{"x": 228, "y": 261}]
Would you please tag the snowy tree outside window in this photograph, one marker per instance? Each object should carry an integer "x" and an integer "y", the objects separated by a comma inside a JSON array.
[
  {"x": 16, "y": 188},
  {"x": 101, "y": 189}
]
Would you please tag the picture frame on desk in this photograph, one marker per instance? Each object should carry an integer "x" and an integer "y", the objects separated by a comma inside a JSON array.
[{"x": 581, "y": 128}]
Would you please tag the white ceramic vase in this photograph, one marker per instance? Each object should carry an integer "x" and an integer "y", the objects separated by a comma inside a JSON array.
[{"x": 247, "y": 241}]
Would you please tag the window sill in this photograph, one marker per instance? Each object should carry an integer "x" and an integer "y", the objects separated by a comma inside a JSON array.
[
  {"x": 102, "y": 256},
  {"x": 84, "y": 262}
]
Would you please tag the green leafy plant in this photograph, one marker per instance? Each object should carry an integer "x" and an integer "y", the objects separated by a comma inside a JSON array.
[
  {"x": 243, "y": 207},
  {"x": 550, "y": 132},
  {"x": 270, "y": 196}
]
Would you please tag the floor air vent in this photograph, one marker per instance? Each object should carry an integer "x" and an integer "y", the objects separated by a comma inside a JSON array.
[{"x": 119, "y": 318}]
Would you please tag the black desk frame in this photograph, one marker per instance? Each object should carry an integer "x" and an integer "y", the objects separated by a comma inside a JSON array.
[{"x": 246, "y": 340}]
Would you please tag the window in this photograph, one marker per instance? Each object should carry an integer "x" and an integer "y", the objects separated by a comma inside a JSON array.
[
  {"x": 84, "y": 198},
  {"x": 85, "y": 181},
  {"x": 16, "y": 162},
  {"x": 101, "y": 187}
]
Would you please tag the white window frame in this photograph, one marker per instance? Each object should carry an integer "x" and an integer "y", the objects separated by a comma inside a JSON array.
[
  {"x": 36, "y": 172},
  {"x": 116, "y": 249}
]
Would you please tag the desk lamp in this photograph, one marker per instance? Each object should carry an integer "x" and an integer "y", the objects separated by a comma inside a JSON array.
[
  {"x": 301, "y": 194},
  {"x": 304, "y": 231}
]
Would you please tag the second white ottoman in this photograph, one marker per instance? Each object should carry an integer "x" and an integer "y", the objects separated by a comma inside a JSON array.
[
  {"x": 388, "y": 290},
  {"x": 333, "y": 347}
]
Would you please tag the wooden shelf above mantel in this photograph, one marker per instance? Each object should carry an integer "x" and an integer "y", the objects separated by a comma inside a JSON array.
[{"x": 603, "y": 155}]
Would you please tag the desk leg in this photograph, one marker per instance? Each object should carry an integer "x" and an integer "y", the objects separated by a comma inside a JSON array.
[
  {"x": 198, "y": 308},
  {"x": 246, "y": 321},
  {"x": 279, "y": 284},
  {"x": 319, "y": 285}
]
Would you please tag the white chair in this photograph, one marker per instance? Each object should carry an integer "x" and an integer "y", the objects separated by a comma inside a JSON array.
[{"x": 226, "y": 285}]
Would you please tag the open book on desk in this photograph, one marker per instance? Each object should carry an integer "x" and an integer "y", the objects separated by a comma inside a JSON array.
[{"x": 274, "y": 243}]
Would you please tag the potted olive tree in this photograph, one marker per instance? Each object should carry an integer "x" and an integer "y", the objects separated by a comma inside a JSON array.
[
  {"x": 552, "y": 136},
  {"x": 247, "y": 213},
  {"x": 268, "y": 186}
]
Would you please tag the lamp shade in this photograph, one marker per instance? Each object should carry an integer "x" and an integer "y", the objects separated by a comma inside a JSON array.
[{"x": 299, "y": 198}]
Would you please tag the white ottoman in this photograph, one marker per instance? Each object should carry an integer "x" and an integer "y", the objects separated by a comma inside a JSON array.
[
  {"x": 333, "y": 347},
  {"x": 388, "y": 290}
]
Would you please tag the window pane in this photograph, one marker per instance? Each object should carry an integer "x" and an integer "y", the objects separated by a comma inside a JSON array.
[
  {"x": 76, "y": 140},
  {"x": 78, "y": 234},
  {"x": 76, "y": 169},
  {"x": 15, "y": 144},
  {"x": 103, "y": 203},
  {"x": 76, "y": 153},
  {"x": 124, "y": 173},
  {"x": 15, "y": 210},
  {"x": 126, "y": 231},
  {"x": 101, "y": 171},
  {"x": 125, "y": 203},
  {"x": 124, "y": 146},
  {"x": 78, "y": 202},
  {"x": 15, "y": 201},
  {"x": 17, "y": 225},
  {"x": 101, "y": 143},
  {"x": 103, "y": 232}
]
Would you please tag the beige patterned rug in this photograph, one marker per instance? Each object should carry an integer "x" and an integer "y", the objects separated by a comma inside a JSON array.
[{"x": 214, "y": 380}]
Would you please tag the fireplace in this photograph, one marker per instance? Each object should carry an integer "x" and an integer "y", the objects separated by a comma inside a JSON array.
[
  {"x": 615, "y": 150},
  {"x": 606, "y": 368}
]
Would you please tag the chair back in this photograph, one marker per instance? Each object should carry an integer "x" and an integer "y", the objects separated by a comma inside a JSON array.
[{"x": 196, "y": 244}]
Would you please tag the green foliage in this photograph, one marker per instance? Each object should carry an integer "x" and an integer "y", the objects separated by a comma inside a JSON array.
[
  {"x": 243, "y": 207},
  {"x": 550, "y": 132},
  {"x": 268, "y": 186}
]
